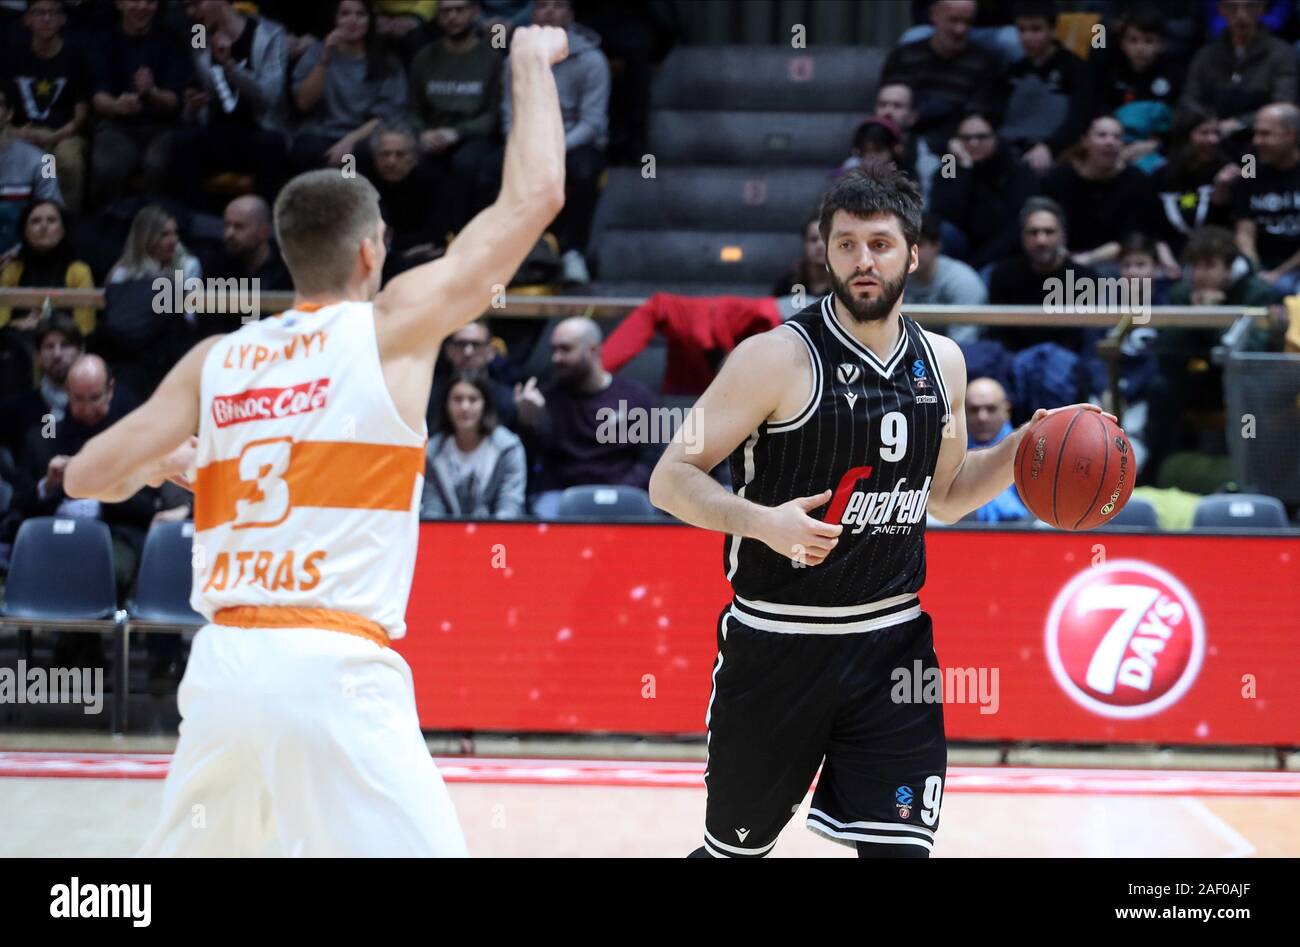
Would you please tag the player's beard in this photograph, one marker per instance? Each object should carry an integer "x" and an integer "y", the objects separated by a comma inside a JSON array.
[{"x": 867, "y": 310}]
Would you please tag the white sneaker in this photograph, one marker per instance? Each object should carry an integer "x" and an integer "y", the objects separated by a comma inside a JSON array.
[{"x": 575, "y": 268}]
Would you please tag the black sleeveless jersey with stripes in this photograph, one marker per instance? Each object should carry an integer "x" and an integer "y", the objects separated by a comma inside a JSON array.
[{"x": 870, "y": 432}]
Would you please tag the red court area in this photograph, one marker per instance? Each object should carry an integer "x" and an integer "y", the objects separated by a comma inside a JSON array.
[{"x": 1098, "y": 637}]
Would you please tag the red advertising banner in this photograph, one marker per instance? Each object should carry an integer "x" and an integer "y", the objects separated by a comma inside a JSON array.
[{"x": 1089, "y": 637}]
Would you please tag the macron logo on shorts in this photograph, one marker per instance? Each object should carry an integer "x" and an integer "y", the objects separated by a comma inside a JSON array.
[{"x": 268, "y": 404}]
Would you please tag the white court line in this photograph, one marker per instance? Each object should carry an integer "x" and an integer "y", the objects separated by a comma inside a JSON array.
[{"x": 1238, "y": 846}]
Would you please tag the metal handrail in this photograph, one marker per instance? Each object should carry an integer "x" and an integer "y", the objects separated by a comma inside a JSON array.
[{"x": 521, "y": 306}]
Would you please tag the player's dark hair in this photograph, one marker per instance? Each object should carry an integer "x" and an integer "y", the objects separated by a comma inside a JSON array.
[
  {"x": 483, "y": 384},
  {"x": 875, "y": 188},
  {"x": 1210, "y": 243}
]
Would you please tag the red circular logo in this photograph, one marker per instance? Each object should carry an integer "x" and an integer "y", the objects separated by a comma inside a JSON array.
[{"x": 1125, "y": 639}]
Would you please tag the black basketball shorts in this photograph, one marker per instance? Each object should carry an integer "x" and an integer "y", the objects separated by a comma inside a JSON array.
[{"x": 784, "y": 704}]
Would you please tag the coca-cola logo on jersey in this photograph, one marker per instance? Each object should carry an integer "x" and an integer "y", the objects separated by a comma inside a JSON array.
[
  {"x": 267, "y": 404},
  {"x": 1125, "y": 639}
]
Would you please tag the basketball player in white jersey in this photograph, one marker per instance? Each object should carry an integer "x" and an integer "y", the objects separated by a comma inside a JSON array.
[{"x": 299, "y": 733}]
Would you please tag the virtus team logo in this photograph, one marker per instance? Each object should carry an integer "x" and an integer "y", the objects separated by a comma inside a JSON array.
[
  {"x": 848, "y": 373},
  {"x": 1125, "y": 639}
]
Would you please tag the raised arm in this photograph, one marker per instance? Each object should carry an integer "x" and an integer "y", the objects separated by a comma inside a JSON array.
[
  {"x": 748, "y": 390},
  {"x": 149, "y": 445},
  {"x": 424, "y": 305}
]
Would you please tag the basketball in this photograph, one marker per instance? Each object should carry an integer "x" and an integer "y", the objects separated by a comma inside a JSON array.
[{"x": 1074, "y": 470}]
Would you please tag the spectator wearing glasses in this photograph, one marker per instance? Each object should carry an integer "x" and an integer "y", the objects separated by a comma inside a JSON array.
[
  {"x": 470, "y": 349},
  {"x": 93, "y": 406},
  {"x": 982, "y": 199}
]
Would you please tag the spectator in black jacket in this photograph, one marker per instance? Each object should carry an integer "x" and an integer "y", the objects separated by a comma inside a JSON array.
[
  {"x": 1241, "y": 70},
  {"x": 564, "y": 421},
  {"x": 58, "y": 344},
  {"x": 1142, "y": 70},
  {"x": 1193, "y": 188},
  {"x": 250, "y": 253},
  {"x": 983, "y": 194},
  {"x": 1103, "y": 197},
  {"x": 1049, "y": 98},
  {"x": 948, "y": 74},
  {"x": 137, "y": 99},
  {"x": 92, "y": 408},
  {"x": 1023, "y": 280}
]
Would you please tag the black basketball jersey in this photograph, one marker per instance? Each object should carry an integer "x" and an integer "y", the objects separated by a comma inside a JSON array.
[{"x": 870, "y": 432}]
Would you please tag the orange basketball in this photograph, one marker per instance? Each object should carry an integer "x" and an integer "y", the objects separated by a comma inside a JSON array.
[{"x": 1075, "y": 469}]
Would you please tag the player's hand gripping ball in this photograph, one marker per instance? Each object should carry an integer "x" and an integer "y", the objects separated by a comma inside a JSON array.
[{"x": 1075, "y": 468}]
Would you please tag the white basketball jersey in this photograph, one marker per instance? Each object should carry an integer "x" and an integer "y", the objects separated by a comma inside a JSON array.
[{"x": 308, "y": 486}]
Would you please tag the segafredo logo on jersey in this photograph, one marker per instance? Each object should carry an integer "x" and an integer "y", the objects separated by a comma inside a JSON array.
[
  {"x": 1125, "y": 639},
  {"x": 268, "y": 404},
  {"x": 897, "y": 509}
]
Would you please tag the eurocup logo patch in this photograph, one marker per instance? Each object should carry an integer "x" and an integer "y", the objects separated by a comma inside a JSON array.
[
  {"x": 848, "y": 373},
  {"x": 903, "y": 801},
  {"x": 918, "y": 375},
  {"x": 1125, "y": 639}
]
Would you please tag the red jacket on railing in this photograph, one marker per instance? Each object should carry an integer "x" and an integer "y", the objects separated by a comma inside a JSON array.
[{"x": 700, "y": 331}]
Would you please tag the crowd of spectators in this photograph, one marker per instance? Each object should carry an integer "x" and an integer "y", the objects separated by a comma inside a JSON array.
[{"x": 1169, "y": 153}]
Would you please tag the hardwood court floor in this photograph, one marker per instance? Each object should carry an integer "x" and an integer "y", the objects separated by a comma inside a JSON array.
[{"x": 103, "y": 804}]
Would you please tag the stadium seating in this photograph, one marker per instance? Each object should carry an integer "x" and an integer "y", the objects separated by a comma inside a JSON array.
[
  {"x": 161, "y": 601},
  {"x": 1239, "y": 511},
  {"x": 1137, "y": 513},
  {"x": 744, "y": 140},
  {"x": 39, "y": 595},
  {"x": 607, "y": 503},
  {"x": 39, "y": 592}
]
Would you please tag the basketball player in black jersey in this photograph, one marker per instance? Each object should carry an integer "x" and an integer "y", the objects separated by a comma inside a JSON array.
[{"x": 843, "y": 427}]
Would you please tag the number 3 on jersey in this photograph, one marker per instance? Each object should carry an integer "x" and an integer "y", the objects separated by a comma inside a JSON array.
[
  {"x": 893, "y": 436},
  {"x": 265, "y": 464}
]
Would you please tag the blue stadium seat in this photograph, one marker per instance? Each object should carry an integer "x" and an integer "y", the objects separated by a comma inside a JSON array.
[
  {"x": 161, "y": 600},
  {"x": 1239, "y": 511},
  {"x": 594, "y": 501},
  {"x": 47, "y": 551},
  {"x": 1135, "y": 513},
  {"x": 39, "y": 594}
]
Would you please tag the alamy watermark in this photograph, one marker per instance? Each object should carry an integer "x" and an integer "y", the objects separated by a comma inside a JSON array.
[
  {"x": 1106, "y": 294},
  {"x": 37, "y": 685},
  {"x": 175, "y": 294},
  {"x": 921, "y": 685},
  {"x": 637, "y": 425}
]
